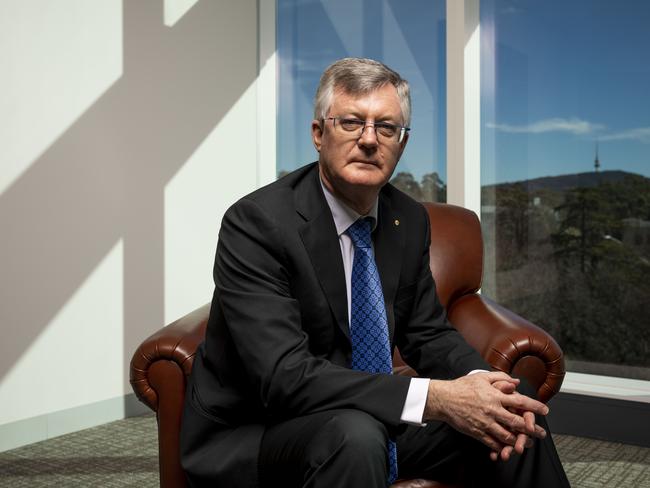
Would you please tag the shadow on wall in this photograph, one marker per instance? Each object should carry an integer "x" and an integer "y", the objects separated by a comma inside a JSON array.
[{"x": 103, "y": 180}]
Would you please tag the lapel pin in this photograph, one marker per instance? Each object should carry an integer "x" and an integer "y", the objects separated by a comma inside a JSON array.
[{"x": 396, "y": 222}]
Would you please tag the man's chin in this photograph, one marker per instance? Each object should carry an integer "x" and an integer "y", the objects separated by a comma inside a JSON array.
[{"x": 366, "y": 176}]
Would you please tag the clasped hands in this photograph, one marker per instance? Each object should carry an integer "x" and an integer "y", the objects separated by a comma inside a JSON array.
[{"x": 487, "y": 407}]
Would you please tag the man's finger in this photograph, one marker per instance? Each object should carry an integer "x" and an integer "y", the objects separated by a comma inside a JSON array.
[
  {"x": 505, "y": 386},
  {"x": 520, "y": 444},
  {"x": 529, "y": 419},
  {"x": 504, "y": 436},
  {"x": 493, "y": 376},
  {"x": 523, "y": 442},
  {"x": 522, "y": 402},
  {"x": 516, "y": 424},
  {"x": 491, "y": 442},
  {"x": 506, "y": 452}
]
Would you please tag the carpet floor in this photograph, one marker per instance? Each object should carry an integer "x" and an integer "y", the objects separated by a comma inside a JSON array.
[{"x": 125, "y": 454}]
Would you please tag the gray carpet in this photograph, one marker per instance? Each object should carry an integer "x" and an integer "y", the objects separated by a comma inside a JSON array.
[
  {"x": 119, "y": 454},
  {"x": 124, "y": 453},
  {"x": 590, "y": 463}
]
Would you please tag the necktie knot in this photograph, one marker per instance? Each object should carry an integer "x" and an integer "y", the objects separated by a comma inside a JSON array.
[{"x": 359, "y": 232}]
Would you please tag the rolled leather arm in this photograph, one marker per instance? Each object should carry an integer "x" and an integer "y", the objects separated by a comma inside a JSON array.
[
  {"x": 159, "y": 371},
  {"x": 510, "y": 343},
  {"x": 167, "y": 353}
]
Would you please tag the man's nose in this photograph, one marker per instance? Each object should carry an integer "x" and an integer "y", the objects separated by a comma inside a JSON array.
[{"x": 368, "y": 137}]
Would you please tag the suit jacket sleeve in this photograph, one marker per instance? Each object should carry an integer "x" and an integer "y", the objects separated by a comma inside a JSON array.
[
  {"x": 254, "y": 288},
  {"x": 428, "y": 342}
]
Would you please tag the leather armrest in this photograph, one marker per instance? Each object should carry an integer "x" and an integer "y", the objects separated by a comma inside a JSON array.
[
  {"x": 159, "y": 371},
  {"x": 510, "y": 343},
  {"x": 169, "y": 349}
]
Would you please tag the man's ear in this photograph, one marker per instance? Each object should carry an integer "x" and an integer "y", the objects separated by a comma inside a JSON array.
[{"x": 317, "y": 133}]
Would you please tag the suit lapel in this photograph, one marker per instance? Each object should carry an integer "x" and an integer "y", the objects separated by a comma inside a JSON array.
[
  {"x": 318, "y": 234},
  {"x": 389, "y": 246}
]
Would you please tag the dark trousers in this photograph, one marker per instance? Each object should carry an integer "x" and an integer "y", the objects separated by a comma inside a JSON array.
[{"x": 347, "y": 448}]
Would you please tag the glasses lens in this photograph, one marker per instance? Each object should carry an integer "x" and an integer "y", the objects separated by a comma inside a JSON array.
[
  {"x": 351, "y": 125},
  {"x": 356, "y": 126},
  {"x": 386, "y": 130}
]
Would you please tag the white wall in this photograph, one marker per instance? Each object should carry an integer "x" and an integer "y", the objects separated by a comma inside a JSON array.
[{"x": 126, "y": 130}]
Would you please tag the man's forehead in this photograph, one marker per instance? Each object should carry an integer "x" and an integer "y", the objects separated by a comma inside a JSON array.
[{"x": 385, "y": 95}]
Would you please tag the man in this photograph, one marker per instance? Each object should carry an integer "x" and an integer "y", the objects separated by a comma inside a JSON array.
[{"x": 318, "y": 276}]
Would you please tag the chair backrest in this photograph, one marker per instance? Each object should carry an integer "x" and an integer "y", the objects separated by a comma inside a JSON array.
[
  {"x": 456, "y": 251},
  {"x": 456, "y": 257}
]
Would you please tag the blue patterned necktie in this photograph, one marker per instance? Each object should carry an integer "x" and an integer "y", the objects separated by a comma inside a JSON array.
[{"x": 368, "y": 324}]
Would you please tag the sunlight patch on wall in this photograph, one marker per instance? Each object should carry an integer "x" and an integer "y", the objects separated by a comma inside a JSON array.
[
  {"x": 78, "y": 44},
  {"x": 175, "y": 9},
  {"x": 86, "y": 334},
  {"x": 221, "y": 170}
]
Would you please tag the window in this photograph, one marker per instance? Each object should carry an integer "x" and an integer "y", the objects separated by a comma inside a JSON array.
[
  {"x": 565, "y": 169},
  {"x": 407, "y": 35}
]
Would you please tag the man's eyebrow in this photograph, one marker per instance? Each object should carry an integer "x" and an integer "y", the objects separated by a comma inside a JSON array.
[
  {"x": 384, "y": 118},
  {"x": 351, "y": 114}
]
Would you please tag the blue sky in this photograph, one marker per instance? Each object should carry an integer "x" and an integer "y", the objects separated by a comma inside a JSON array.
[
  {"x": 557, "y": 75},
  {"x": 566, "y": 73}
]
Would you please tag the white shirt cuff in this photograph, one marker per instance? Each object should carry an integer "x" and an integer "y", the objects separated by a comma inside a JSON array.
[
  {"x": 416, "y": 399},
  {"x": 477, "y": 371}
]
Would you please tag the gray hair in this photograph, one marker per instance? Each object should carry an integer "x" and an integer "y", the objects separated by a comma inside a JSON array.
[{"x": 359, "y": 76}]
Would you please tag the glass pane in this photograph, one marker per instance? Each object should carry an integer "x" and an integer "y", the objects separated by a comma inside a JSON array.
[
  {"x": 407, "y": 35},
  {"x": 564, "y": 169}
]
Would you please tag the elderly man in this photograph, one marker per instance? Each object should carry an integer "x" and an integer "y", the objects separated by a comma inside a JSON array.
[{"x": 318, "y": 277}]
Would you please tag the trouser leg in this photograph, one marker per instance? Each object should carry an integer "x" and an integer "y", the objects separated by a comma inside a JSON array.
[
  {"x": 435, "y": 452},
  {"x": 438, "y": 452},
  {"x": 539, "y": 466},
  {"x": 338, "y": 448}
]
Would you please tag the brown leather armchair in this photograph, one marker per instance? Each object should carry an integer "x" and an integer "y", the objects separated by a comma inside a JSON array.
[{"x": 509, "y": 343}]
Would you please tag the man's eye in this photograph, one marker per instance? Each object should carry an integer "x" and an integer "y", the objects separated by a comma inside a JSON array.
[
  {"x": 351, "y": 124},
  {"x": 386, "y": 129}
]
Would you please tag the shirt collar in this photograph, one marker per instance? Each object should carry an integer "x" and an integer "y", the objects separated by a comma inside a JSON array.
[{"x": 343, "y": 215}]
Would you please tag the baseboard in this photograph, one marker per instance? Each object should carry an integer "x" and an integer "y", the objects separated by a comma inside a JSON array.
[
  {"x": 600, "y": 418},
  {"x": 43, "y": 427}
]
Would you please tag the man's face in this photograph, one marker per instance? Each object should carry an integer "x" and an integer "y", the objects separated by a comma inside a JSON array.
[{"x": 350, "y": 163}]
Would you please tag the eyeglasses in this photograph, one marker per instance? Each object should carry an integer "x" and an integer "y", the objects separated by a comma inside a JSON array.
[{"x": 355, "y": 127}]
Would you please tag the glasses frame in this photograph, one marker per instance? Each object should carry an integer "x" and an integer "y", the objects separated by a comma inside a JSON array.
[{"x": 364, "y": 123}]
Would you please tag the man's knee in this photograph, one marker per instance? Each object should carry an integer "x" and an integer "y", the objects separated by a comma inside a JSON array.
[
  {"x": 353, "y": 436},
  {"x": 332, "y": 448}
]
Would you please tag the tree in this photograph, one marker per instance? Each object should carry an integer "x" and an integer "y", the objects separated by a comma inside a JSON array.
[
  {"x": 405, "y": 182},
  {"x": 433, "y": 188},
  {"x": 602, "y": 295},
  {"x": 586, "y": 221}
]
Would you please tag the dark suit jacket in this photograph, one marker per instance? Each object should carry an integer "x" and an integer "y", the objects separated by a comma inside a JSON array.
[{"x": 277, "y": 344}]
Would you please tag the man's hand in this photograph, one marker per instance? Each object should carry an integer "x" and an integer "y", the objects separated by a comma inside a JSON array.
[
  {"x": 486, "y": 407},
  {"x": 523, "y": 441}
]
